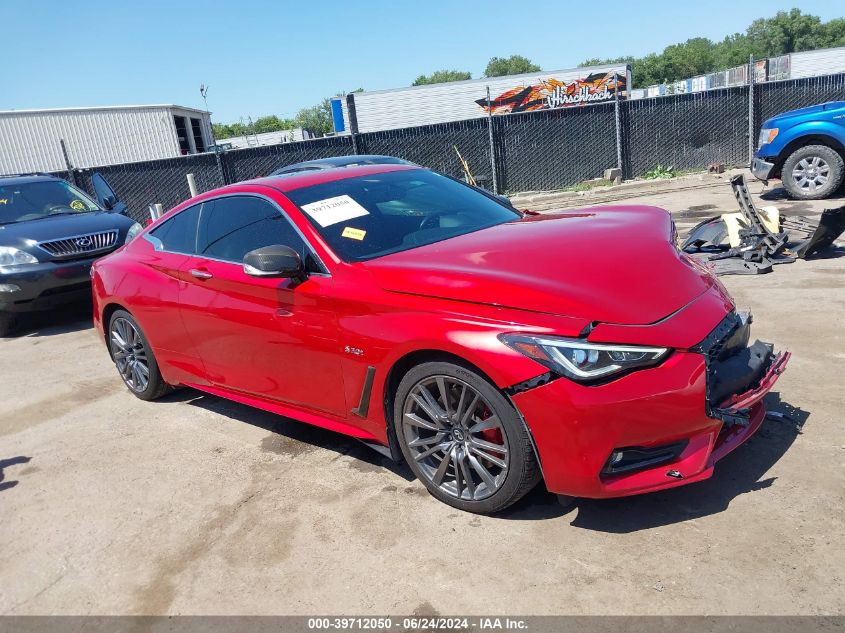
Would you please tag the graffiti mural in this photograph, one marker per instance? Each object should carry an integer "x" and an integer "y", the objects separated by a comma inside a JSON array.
[{"x": 554, "y": 93}]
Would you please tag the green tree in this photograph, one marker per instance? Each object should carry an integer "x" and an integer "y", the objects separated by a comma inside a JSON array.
[
  {"x": 513, "y": 65},
  {"x": 441, "y": 77},
  {"x": 227, "y": 130},
  {"x": 786, "y": 32},
  {"x": 316, "y": 119},
  {"x": 271, "y": 123},
  {"x": 834, "y": 33}
]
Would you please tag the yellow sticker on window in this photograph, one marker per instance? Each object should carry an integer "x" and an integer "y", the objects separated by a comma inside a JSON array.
[
  {"x": 77, "y": 205},
  {"x": 353, "y": 234},
  {"x": 4, "y": 201}
]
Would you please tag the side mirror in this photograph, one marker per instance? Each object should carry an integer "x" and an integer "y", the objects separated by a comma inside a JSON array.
[
  {"x": 274, "y": 261},
  {"x": 105, "y": 194}
]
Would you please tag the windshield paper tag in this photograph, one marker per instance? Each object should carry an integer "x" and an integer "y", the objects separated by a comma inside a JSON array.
[
  {"x": 333, "y": 210},
  {"x": 353, "y": 234}
]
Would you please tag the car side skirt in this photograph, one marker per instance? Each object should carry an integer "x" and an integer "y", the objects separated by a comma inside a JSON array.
[{"x": 325, "y": 421}]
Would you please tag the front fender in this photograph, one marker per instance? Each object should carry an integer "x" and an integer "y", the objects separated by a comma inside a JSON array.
[
  {"x": 381, "y": 338},
  {"x": 832, "y": 132}
]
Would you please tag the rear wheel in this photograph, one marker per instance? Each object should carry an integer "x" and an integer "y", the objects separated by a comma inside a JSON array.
[
  {"x": 133, "y": 357},
  {"x": 812, "y": 172},
  {"x": 463, "y": 439}
]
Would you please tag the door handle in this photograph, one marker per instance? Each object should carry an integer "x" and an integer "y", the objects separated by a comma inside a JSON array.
[{"x": 200, "y": 274}]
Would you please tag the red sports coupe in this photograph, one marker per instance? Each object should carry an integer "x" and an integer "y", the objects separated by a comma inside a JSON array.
[{"x": 486, "y": 347}]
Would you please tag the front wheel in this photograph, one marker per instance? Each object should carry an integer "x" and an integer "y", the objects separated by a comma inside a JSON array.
[
  {"x": 812, "y": 172},
  {"x": 463, "y": 439},
  {"x": 133, "y": 357}
]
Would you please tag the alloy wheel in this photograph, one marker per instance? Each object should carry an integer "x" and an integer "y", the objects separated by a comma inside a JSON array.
[
  {"x": 129, "y": 354},
  {"x": 811, "y": 173},
  {"x": 455, "y": 438}
]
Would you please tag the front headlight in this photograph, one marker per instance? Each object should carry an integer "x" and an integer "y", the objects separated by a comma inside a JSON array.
[
  {"x": 132, "y": 232},
  {"x": 10, "y": 256},
  {"x": 767, "y": 135},
  {"x": 582, "y": 361}
]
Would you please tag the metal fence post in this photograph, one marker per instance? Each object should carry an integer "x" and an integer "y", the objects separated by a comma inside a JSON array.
[
  {"x": 751, "y": 127},
  {"x": 493, "y": 175},
  {"x": 219, "y": 157},
  {"x": 353, "y": 121},
  {"x": 618, "y": 118},
  {"x": 192, "y": 184},
  {"x": 69, "y": 167}
]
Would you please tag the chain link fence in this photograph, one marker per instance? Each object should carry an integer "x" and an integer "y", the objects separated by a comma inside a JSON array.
[
  {"x": 437, "y": 147},
  {"x": 772, "y": 98},
  {"x": 543, "y": 150},
  {"x": 139, "y": 185},
  {"x": 550, "y": 149},
  {"x": 685, "y": 131},
  {"x": 255, "y": 162}
]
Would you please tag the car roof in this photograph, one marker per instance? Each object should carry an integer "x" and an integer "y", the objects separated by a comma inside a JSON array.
[
  {"x": 335, "y": 162},
  {"x": 298, "y": 180},
  {"x": 19, "y": 179}
]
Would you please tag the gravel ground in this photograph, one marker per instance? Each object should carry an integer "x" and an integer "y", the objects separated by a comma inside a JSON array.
[{"x": 195, "y": 505}]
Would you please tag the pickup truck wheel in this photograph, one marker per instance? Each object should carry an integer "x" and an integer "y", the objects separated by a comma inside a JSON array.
[{"x": 812, "y": 172}]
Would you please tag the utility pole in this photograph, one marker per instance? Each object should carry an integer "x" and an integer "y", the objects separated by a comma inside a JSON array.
[
  {"x": 221, "y": 170},
  {"x": 204, "y": 92}
]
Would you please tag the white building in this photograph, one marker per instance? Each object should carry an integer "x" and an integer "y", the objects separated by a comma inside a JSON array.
[
  {"x": 30, "y": 140},
  {"x": 265, "y": 138},
  {"x": 461, "y": 100}
]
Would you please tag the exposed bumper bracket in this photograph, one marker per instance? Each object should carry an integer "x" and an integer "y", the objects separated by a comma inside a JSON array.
[{"x": 736, "y": 409}]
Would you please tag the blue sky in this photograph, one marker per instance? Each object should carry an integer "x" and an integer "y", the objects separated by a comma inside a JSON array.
[{"x": 276, "y": 57}]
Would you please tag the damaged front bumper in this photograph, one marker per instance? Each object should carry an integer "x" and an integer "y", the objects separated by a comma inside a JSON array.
[
  {"x": 739, "y": 375},
  {"x": 657, "y": 428}
]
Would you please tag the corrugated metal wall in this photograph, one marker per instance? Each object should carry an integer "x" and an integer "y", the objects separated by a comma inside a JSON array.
[
  {"x": 812, "y": 63},
  {"x": 452, "y": 101},
  {"x": 29, "y": 141}
]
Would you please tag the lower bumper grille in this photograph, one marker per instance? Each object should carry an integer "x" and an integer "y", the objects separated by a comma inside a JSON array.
[{"x": 626, "y": 460}]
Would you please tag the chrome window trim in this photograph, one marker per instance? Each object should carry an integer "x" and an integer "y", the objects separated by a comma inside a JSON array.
[{"x": 157, "y": 244}]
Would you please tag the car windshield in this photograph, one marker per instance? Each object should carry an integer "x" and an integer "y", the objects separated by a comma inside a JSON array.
[
  {"x": 369, "y": 216},
  {"x": 41, "y": 199}
]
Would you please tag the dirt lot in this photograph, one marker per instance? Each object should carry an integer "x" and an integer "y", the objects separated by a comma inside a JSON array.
[{"x": 195, "y": 505}]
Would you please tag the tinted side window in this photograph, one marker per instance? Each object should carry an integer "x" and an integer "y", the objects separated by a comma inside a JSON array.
[
  {"x": 231, "y": 227},
  {"x": 179, "y": 233}
]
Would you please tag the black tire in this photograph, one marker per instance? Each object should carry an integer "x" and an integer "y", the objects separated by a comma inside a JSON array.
[
  {"x": 823, "y": 166},
  {"x": 468, "y": 490},
  {"x": 154, "y": 386},
  {"x": 7, "y": 323}
]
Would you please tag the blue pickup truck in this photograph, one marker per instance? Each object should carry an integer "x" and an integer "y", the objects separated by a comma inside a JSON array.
[{"x": 805, "y": 148}]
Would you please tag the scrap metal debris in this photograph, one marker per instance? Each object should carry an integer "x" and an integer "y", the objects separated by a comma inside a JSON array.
[{"x": 751, "y": 241}]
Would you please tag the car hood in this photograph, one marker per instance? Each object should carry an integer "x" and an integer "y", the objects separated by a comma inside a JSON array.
[
  {"x": 822, "y": 110},
  {"x": 612, "y": 264},
  {"x": 61, "y": 226}
]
